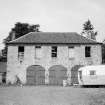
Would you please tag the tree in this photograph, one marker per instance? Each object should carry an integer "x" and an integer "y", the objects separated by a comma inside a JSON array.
[
  {"x": 88, "y": 30},
  {"x": 19, "y": 30}
]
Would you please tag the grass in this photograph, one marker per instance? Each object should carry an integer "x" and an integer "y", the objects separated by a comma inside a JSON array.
[{"x": 51, "y": 95}]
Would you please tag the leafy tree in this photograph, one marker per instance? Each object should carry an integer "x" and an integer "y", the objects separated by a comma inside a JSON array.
[
  {"x": 19, "y": 30},
  {"x": 88, "y": 30}
]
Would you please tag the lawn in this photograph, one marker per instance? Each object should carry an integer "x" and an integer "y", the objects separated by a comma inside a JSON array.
[{"x": 51, "y": 95}]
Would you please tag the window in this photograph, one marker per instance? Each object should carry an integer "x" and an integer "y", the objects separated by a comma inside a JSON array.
[
  {"x": 54, "y": 51},
  {"x": 38, "y": 52},
  {"x": 21, "y": 49},
  {"x": 92, "y": 72},
  {"x": 87, "y": 51},
  {"x": 21, "y": 53},
  {"x": 71, "y": 52}
]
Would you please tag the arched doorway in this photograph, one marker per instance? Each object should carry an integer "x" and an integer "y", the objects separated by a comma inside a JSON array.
[
  {"x": 35, "y": 75},
  {"x": 74, "y": 74},
  {"x": 57, "y": 74}
]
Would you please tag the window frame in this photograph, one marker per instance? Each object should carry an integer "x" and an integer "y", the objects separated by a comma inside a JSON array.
[
  {"x": 20, "y": 47},
  {"x": 36, "y": 48},
  {"x": 71, "y": 48},
  {"x": 54, "y": 50},
  {"x": 87, "y": 51},
  {"x": 92, "y": 72},
  {"x": 21, "y": 50}
]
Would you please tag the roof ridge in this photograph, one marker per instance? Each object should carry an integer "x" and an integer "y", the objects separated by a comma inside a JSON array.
[{"x": 55, "y": 32}]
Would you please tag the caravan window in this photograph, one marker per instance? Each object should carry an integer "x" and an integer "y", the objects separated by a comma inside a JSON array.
[{"x": 92, "y": 72}]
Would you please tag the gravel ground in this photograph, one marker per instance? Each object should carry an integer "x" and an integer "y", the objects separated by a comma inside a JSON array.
[{"x": 51, "y": 95}]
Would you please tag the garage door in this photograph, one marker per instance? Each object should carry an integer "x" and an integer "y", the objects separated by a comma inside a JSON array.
[
  {"x": 35, "y": 75},
  {"x": 57, "y": 74}
]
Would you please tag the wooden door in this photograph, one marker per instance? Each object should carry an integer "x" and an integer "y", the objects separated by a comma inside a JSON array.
[
  {"x": 57, "y": 75},
  {"x": 40, "y": 77},
  {"x": 35, "y": 75},
  {"x": 31, "y": 77}
]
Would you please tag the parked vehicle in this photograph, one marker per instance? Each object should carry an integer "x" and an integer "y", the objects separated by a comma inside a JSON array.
[{"x": 91, "y": 75}]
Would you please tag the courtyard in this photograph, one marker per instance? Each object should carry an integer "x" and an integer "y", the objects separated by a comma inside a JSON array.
[{"x": 51, "y": 95}]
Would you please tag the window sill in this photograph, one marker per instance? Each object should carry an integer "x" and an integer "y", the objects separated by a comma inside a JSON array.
[
  {"x": 37, "y": 58},
  {"x": 54, "y": 58},
  {"x": 71, "y": 58},
  {"x": 88, "y": 57}
]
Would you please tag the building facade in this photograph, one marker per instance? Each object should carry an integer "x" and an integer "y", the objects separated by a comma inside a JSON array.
[{"x": 49, "y": 58}]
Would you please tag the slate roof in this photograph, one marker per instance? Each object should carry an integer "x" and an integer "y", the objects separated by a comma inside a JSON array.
[{"x": 53, "y": 38}]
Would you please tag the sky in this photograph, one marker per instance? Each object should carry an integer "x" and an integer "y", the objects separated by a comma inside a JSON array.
[{"x": 53, "y": 15}]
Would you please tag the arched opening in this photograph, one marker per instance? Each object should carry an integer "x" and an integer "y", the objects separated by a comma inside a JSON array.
[
  {"x": 74, "y": 74},
  {"x": 35, "y": 75},
  {"x": 57, "y": 74}
]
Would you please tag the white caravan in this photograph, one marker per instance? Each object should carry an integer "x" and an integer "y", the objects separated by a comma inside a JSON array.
[{"x": 92, "y": 75}]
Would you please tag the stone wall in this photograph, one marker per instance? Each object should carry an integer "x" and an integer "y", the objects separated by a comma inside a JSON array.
[{"x": 14, "y": 67}]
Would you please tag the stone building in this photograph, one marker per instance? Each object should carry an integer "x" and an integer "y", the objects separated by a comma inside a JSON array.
[{"x": 50, "y": 57}]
